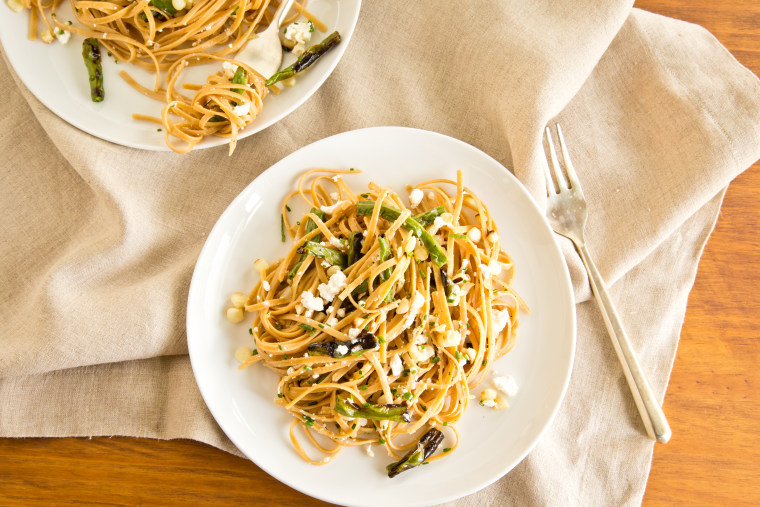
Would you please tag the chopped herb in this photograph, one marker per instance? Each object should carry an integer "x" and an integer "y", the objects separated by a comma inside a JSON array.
[
  {"x": 286, "y": 356},
  {"x": 282, "y": 227},
  {"x": 446, "y": 449},
  {"x": 381, "y": 440},
  {"x": 468, "y": 324},
  {"x": 69, "y": 22},
  {"x": 279, "y": 395},
  {"x": 255, "y": 353},
  {"x": 366, "y": 328},
  {"x": 60, "y": 32},
  {"x": 353, "y": 426},
  {"x": 435, "y": 359},
  {"x": 445, "y": 423},
  {"x": 287, "y": 207},
  {"x": 364, "y": 195},
  {"x": 307, "y": 368},
  {"x": 459, "y": 236},
  {"x": 351, "y": 169},
  {"x": 405, "y": 373},
  {"x": 484, "y": 362},
  {"x": 458, "y": 355},
  {"x": 422, "y": 274},
  {"x": 363, "y": 388},
  {"x": 309, "y": 420},
  {"x": 449, "y": 300},
  {"x": 279, "y": 347},
  {"x": 298, "y": 222},
  {"x": 381, "y": 339},
  {"x": 424, "y": 408},
  {"x": 407, "y": 396},
  {"x": 322, "y": 326},
  {"x": 306, "y": 327},
  {"x": 313, "y": 333},
  {"x": 312, "y": 403},
  {"x": 159, "y": 130}
]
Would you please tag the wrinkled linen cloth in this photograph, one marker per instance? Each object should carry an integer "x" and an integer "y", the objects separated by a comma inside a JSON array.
[{"x": 99, "y": 241}]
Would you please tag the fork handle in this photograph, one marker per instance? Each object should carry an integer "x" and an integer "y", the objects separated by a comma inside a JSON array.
[{"x": 650, "y": 410}]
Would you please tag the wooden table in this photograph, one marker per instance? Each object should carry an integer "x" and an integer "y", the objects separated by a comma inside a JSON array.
[{"x": 712, "y": 399}]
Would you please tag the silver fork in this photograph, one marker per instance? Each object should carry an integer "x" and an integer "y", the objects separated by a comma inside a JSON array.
[{"x": 567, "y": 213}]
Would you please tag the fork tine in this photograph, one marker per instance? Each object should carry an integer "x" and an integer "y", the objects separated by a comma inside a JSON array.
[
  {"x": 550, "y": 188},
  {"x": 571, "y": 175},
  {"x": 560, "y": 177}
]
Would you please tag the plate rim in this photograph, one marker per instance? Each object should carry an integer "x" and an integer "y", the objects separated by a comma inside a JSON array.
[{"x": 566, "y": 284}]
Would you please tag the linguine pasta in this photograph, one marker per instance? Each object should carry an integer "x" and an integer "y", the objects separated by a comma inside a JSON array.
[
  {"x": 382, "y": 316},
  {"x": 165, "y": 37}
]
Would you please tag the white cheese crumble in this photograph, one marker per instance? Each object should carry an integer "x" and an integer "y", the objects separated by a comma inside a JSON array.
[
  {"x": 353, "y": 332},
  {"x": 396, "y": 365},
  {"x": 266, "y": 285},
  {"x": 311, "y": 302},
  {"x": 242, "y": 109},
  {"x": 229, "y": 69},
  {"x": 500, "y": 319},
  {"x": 417, "y": 302},
  {"x": 369, "y": 452},
  {"x": 415, "y": 197},
  {"x": 488, "y": 403},
  {"x": 341, "y": 312},
  {"x": 298, "y": 34},
  {"x": 335, "y": 242},
  {"x": 331, "y": 321},
  {"x": 506, "y": 385},
  {"x": 334, "y": 196},
  {"x": 331, "y": 209},
  {"x": 342, "y": 350},
  {"x": 63, "y": 36},
  {"x": 332, "y": 288}
]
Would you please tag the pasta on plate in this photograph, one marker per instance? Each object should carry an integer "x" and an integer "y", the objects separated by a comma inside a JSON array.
[
  {"x": 382, "y": 316},
  {"x": 165, "y": 37}
]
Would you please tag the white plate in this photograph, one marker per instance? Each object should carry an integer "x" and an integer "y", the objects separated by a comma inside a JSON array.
[
  {"x": 56, "y": 75},
  {"x": 492, "y": 442}
]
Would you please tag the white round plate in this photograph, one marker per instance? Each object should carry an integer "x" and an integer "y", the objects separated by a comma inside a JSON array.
[
  {"x": 56, "y": 75},
  {"x": 492, "y": 442}
]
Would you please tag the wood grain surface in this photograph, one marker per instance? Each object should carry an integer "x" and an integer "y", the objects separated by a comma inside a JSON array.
[{"x": 712, "y": 399}]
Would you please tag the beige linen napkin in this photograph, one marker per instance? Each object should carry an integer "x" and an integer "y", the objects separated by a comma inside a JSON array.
[{"x": 99, "y": 241}]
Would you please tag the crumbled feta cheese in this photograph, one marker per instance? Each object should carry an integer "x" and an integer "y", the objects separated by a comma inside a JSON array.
[
  {"x": 417, "y": 302},
  {"x": 430, "y": 194},
  {"x": 325, "y": 264},
  {"x": 485, "y": 270},
  {"x": 369, "y": 452},
  {"x": 341, "y": 312},
  {"x": 312, "y": 302},
  {"x": 290, "y": 371},
  {"x": 299, "y": 308},
  {"x": 242, "y": 109},
  {"x": 266, "y": 285},
  {"x": 488, "y": 403},
  {"x": 494, "y": 267},
  {"x": 334, "y": 196},
  {"x": 353, "y": 332},
  {"x": 229, "y": 69},
  {"x": 331, "y": 209},
  {"x": 456, "y": 294},
  {"x": 331, "y": 321},
  {"x": 396, "y": 365},
  {"x": 471, "y": 353},
  {"x": 332, "y": 288},
  {"x": 298, "y": 34},
  {"x": 63, "y": 36},
  {"x": 500, "y": 319},
  {"x": 415, "y": 197},
  {"x": 474, "y": 234},
  {"x": 335, "y": 242},
  {"x": 506, "y": 385},
  {"x": 336, "y": 178},
  {"x": 341, "y": 350},
  {"x": 421, "y": 353}
]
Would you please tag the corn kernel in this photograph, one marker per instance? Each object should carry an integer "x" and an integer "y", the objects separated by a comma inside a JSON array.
[
  {"x": 238, "y": 299},
  {"x": 235, "y": 315},
  {"x": 474, "y": 234},
  {"x": 15, "y": 5},
  {"x": 242, "y": 354},
  {"x": 260, "y": 265},
  {"x": 402, "y": 307},
  {"x": 410, "y": 243},
  {"x": 47, "y": 37}
]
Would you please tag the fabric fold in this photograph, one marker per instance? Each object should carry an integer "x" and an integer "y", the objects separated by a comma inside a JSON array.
[{"x": 100, "y": 240}]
